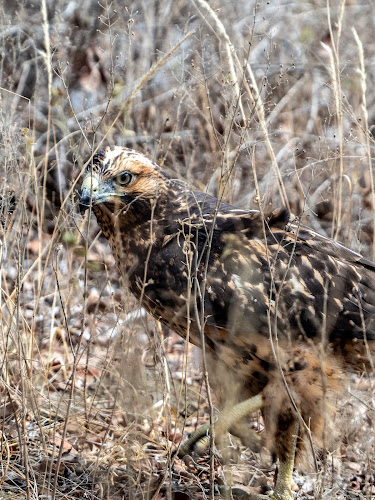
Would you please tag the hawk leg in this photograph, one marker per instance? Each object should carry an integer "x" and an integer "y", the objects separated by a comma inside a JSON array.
[
  {"x": 248, "y": 437},
  {"x": 283, "y": 490},
  {"x": 227, "y": 421}
]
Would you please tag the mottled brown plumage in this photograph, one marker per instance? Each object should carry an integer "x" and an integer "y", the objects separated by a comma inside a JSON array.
[{"x": 282, "y": 310}]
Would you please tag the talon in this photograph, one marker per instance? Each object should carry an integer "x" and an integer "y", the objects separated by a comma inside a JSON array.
[
  {"x": 227, "y": 421},
  {"x": 188, "y": 446},
  {"x": 202, "y": 445}
]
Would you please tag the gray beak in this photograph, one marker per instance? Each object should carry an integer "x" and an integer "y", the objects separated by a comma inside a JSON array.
[{"x": 89, "y": 191}]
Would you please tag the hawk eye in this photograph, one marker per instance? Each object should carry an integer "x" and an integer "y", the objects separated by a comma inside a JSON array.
[{"x": 124, "y": 179}]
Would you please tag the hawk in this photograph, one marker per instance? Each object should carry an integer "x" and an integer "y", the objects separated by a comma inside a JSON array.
[{"x": 280, "y": 310}]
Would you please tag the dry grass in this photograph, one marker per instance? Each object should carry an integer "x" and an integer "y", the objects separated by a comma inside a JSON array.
[{"x": 261, "y": 103}]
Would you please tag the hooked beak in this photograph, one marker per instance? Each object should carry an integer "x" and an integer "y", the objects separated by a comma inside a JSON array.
[
  {"x": 94, "y": 192},
  {"x": 89, "y": 193}
]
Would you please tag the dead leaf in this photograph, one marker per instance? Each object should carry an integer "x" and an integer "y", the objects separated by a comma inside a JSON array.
[{"x": 57, "y": 441}]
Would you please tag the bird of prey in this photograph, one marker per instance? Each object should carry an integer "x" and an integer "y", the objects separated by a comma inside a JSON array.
[{"x": 280, "y": 310}]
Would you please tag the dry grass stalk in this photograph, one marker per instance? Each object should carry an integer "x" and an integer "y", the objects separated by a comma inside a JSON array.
[{"x": 362, "y": 73}]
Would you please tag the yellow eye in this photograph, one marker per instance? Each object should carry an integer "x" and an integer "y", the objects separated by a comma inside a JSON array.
[{"x": 124, "y": 179}]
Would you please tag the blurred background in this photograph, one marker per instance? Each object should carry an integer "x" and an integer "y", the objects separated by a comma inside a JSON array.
[{"x": 261, "y": 103}]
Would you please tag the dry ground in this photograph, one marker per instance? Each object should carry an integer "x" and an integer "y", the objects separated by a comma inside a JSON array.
[{"x": 267, "y": 102}]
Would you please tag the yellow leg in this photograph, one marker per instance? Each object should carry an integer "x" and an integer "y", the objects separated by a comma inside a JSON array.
[
  {"x": 283, "y": 490},
  {"x": 228, "y": 418},
  {"x": 248, "y": 437}
]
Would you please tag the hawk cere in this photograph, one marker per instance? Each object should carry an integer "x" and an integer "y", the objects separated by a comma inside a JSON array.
[{"x": 282, "y": 310}]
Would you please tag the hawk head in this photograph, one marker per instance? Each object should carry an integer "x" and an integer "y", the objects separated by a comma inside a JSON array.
[{"x": 122, "y": 182}]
